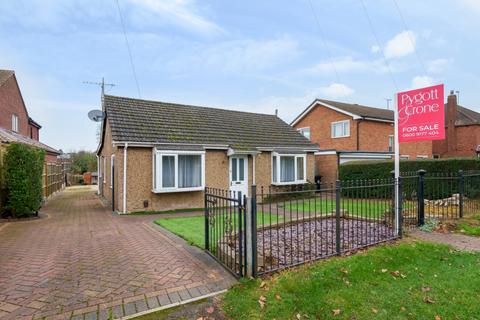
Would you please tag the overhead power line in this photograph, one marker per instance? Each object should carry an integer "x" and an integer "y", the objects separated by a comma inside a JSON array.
[
  {"x": 420, "y": 61},
  {"x": 327, "y": 48},
  {"x": 128, "y": 48},
  {"x": 372, "y": 29}
]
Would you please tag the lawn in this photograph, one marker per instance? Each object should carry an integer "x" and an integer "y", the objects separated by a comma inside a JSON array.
[
  {"x": 408, "y": 280},
  {"x": 469, "y": 226},
  {"x": 192, "y": 229},
  {"x": 370, "y": 208}
]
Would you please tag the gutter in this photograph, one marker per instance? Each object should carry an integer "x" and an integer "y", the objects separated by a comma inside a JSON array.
[{"x": 125, "y": 178}]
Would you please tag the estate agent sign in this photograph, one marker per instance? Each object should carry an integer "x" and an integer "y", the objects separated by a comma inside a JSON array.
[{"x": 421, "y": 114}]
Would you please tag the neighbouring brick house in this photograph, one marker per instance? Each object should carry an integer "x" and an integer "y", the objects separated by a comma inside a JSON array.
[
  {"x": 164, "y": 155},
  {"x": 347, "y": 132},
  {"x": 16, "y": 126}
]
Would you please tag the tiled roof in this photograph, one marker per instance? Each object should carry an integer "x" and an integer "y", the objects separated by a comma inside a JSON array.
[
  {"x": 7, "y": 136},
  {"x": 135, "y": 120},
  {"x": 4, "y": 75},
  {"x": 360, "y": 110},
  {"x": 465, "y": 116}
]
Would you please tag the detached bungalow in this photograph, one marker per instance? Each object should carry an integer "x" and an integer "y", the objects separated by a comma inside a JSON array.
[{"x": 160, "y": 156}]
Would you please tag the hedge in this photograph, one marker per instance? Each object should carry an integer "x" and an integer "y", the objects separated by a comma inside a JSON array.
[
  {"x": 23, "y": 168},
  {"x": 435, "y": 187},
  {"x": 382, "y": 169}
]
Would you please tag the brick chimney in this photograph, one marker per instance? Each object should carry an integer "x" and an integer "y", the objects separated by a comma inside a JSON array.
[{"x": 451, "y": 117}]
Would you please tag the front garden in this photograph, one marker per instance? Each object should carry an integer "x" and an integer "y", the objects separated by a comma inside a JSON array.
[{"x": 408, "y": 280}]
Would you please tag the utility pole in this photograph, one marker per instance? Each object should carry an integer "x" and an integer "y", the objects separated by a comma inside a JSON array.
[{"x": 388, "y": 103}]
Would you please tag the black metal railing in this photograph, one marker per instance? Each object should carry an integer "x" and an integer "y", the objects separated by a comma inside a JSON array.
[
  {"x": 225, "y": 228},
  {"x": 301, "y": 225}
]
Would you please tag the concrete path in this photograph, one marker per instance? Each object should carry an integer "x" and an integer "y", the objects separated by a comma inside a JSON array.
[
  {"x": 83, "y": 262},
  {"x": 458, "y": 241}
]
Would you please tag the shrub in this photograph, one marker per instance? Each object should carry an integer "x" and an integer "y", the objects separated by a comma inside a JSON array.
[
  {"x": 381, "y": 169},
  {"x": 23, "y": 167}
]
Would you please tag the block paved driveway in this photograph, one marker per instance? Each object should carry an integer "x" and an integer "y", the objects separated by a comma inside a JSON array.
[{"x": 83, "y": 262}]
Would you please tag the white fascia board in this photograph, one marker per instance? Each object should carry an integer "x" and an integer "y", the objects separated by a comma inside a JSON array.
[
  {"x": 379, "y": 120},
  {"x": 325, "y": 153},
  {"x": 314, "y": 104}
]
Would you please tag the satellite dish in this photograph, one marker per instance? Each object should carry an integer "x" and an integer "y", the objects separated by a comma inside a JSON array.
[{"x": 96, "y": 115}]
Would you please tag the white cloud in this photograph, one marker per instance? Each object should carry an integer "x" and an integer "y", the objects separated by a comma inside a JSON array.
[
  {"x": 401, "y": 45},
  {"x": 184, "y": 13},
  {"x": 336, "y": 90},
  {"x": 437, "y": 65},
  {"x": 375, "y": 49},
  {"x": 349, "y": 65},
  {"x": 422, "y": 81}
]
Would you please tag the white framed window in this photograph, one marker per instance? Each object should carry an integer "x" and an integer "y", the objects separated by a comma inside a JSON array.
[
  {"x": 391, "y": 144},
  {"x": 404, "y": 157},
  {"x": 288, "y": 169},
  {"x": 112, "y": 166},
  {"x": 176, "y": 171},
  {"x": 14, "y": 123},
  {"x": 305, "y": 132},
  {"x": 422, "y": 157},
  {"x": 341, "y": 129}
]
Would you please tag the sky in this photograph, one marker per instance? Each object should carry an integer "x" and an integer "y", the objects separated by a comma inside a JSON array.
[{"x": 245, "y": 55}]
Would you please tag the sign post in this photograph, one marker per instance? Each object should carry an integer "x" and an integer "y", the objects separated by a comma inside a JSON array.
[{"x": 419, "y": 116}]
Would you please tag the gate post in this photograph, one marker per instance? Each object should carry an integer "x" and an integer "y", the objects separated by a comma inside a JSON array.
[
  {"x": 461, "y": 192},
  {"x": 338, "y": 186},
  {"x": 421, "y": 197},
  {"x": 251, "y": 234},
  {"x": 207, "y": 234}
]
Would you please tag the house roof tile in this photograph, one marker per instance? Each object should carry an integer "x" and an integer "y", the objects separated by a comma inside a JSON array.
[
  {"x": 7, "y": 136},
  {"x": 135, "y": 120}
]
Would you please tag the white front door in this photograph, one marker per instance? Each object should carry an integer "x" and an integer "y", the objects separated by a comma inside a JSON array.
[{"x": 239, "y": 175}]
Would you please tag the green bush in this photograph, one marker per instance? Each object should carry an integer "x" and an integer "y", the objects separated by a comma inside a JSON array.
[
  {"x": 23, "y": 167},
  {"x": 381, "y": 169}
]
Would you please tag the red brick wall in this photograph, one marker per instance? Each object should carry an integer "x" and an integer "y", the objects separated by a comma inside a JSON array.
[
  {"x": 319, "y": 119},
  {"x": 374, "y": 135},
  {"x": 11, "y": 103},
  {"x": 327, "y": 167},
  {"x": 467, "y": 138}
]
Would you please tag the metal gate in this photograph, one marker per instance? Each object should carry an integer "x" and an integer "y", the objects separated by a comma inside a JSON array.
[{"x": 225, "y": 229}]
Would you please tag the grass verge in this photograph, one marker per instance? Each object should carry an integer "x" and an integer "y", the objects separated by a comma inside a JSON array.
[{"x": 409, "y": 280}]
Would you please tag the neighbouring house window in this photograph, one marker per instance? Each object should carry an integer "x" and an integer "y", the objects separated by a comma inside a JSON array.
[
  {"x": 404, "y": 157},
  {"x": 422, "y": 157},
  {"x": 341, "y": 129},
  {"x": 112, "y": 165},
  {"x": 178, "y": 171},
  {"x": 288, "y": 169},
  {"x": 391, "y": 147},
  {"x": 305, "y": 132},
  {"x": 436, "y": 156},
  {"x": 14, "y": 122}
]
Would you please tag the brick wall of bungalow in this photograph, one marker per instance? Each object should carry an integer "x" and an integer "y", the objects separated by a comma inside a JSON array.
[{"x": 140, "y": 178}]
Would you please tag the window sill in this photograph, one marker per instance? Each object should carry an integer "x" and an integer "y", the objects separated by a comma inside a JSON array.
[
  {"x": 341, "y": 137},
  {"x": 288, "y": 183},
  {"x": 174, "y": 190}
]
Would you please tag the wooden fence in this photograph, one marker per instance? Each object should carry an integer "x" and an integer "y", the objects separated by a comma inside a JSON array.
[{"x": 53, "y": 178}]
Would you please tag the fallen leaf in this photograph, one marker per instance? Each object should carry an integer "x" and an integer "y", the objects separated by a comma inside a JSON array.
[
  {"x": 403, "y": 308},
  {"x": 426, "y": 289},
  {"x": 343, "y": 270},
  {"x": 374, "y": 310},
  {"x": 277, "y": 296},
  {"x": 261, "y": 301},
  {"x": 210, "y": 310},
  {"x": 428, "y": 299},
  {"x": 336, "y": 312},
  {"x": 384, "y": 270},
  {"x": 395, "y": 273},
  {"x": 299, "y": 316},
  {"x": 437, "y": 317}
]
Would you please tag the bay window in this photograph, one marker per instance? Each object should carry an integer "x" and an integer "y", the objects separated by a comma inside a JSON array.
[
  {"x": 176, "y": 171},
  {"x": 288, "y": 169}
]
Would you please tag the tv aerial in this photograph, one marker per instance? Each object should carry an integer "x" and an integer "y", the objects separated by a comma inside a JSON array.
[{"x": 96, "y": 115}]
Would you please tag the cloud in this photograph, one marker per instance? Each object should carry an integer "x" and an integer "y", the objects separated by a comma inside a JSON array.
[
  {"x": 422, "y": 81},
  {"x": 236, "y": 55},
  {"x": 375, "y": 49},
  {"x": 336, "y": 90},
  {"x": 184, "y": 13},
  {"x": 437, "y": 65},
  {"x": 349, "y": 65},
  {"x": 403, "y": 44}
]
